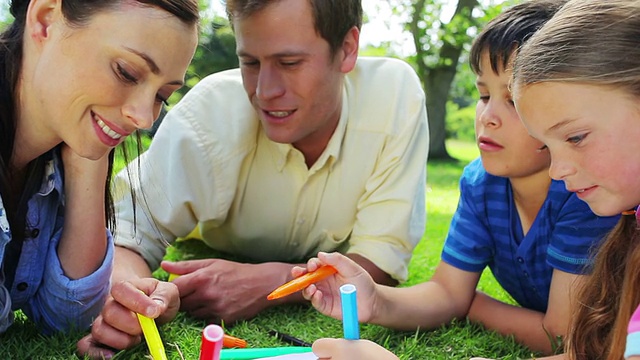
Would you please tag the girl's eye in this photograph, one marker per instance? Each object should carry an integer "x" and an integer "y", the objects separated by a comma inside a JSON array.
[
  {"x": 576, "y": 139},
  {"x": 484, "y": 98},
  {"x": 125, "y": 75},
  {"x": 542, "y": 148}
]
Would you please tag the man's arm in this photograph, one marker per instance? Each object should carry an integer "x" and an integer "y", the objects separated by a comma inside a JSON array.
[
  {"x": 378, "y": 275},
  {"x": 391, "y": 215}
]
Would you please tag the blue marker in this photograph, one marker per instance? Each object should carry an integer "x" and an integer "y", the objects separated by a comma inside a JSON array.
[{"x": 349, "y": 312}]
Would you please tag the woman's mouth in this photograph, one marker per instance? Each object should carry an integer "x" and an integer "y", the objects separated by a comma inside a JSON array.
[{"x": 108, "y": 131}]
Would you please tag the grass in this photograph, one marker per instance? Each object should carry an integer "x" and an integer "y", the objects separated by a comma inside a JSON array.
[{"x": 458, "y": 340}]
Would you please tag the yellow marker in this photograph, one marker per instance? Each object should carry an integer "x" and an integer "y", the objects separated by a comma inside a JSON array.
[
  {"x": 151, "y": 335},
  {"x": 172, "y": 276}
]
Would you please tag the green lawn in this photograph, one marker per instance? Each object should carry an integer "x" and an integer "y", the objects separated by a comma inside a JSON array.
[{"x": 460, "y": 340}]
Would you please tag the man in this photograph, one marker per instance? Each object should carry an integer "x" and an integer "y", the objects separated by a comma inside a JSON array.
[{"x": 305, "y": 148}]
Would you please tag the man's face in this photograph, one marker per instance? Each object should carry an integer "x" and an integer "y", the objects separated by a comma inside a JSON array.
[{"x": 290, "y": 76}]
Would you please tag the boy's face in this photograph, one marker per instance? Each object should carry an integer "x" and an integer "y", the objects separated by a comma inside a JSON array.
[{"x": 506, "y": 148}]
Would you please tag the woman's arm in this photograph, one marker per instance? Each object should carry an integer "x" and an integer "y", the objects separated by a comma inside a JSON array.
[{"x": 83, "y": 244}]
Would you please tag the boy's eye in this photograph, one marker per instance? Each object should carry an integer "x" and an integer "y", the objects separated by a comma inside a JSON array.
[{"x": 484, "y": 98}]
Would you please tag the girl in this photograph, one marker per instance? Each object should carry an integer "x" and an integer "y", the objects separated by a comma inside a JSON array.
[
  {"x": 577, "y": 89},
  {"x": 76, "y": 78}
]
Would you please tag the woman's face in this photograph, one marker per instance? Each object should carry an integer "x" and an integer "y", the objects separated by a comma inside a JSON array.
[
  {"x": 594, "y": 139},
  {"x": 92, "y": 85}
]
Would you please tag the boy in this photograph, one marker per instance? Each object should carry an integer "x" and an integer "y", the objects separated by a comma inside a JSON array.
[{"x": 533, "y": 234}]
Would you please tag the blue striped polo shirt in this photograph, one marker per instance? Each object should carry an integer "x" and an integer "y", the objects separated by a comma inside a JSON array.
[{"x": 486, "y": 231}]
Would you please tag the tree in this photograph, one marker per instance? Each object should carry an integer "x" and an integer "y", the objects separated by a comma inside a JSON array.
[{"x": 439, "y": 47}]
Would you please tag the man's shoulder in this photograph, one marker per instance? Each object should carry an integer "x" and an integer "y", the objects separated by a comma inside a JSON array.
[
  {"x": 384, "y": 95},
  {"x": 383, "y": 71},
  {"x": 220, "y": 81},
  {"x": 217, "y": 110}
]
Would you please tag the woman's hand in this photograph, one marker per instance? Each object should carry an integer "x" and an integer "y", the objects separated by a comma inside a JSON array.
[{"x": 117, "y": 326}]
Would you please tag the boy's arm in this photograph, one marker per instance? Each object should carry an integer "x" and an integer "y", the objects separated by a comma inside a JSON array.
[
  {"x": 534, "y": 329},
  {"x": 448, "y": 295}
]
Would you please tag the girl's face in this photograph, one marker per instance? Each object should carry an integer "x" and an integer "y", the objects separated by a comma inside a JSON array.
[
  {"x": 593, "y": 135},
  {"x": 92, "y": 85}
]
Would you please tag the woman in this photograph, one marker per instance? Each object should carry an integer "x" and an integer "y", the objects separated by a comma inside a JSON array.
[{"x": 76, "y": 78}]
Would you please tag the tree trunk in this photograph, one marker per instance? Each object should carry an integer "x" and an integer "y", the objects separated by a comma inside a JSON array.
[{"x": 437, "y": 79}]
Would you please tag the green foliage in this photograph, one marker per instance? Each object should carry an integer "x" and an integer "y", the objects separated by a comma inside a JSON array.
[
  {"x": 460, "y": 122},
  {"x": 216, "y": 52}
]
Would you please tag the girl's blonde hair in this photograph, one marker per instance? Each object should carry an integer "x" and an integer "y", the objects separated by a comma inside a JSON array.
[{"x": 595, "y": 42}]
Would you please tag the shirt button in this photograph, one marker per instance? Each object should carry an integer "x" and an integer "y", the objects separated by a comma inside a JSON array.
[
  {"x": 526, "y": 274},
  {"x": 22, "y": 286},
  {"x": 300, "y": 221},
  {"x": 295, "y": 244},
  {"x": 520, "y": 260}
]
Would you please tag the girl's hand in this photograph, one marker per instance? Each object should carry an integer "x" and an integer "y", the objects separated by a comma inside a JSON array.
[{"x": 325, "y": 295}]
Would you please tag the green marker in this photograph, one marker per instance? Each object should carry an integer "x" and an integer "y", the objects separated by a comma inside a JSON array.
[{"x": 256, "y": 353}]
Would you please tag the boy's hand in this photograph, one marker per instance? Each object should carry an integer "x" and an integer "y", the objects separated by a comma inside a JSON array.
[{"x": 325, "y": 295}]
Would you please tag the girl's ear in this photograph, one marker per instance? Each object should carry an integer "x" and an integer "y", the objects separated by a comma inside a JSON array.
[
  {"x": 41, "y": 15},
  {"x": 349, "y": 50}
]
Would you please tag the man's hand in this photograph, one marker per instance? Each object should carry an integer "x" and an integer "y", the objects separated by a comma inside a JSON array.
[
  {"x": 215, "y": 289},
  {"x": 117, "y": 325}
]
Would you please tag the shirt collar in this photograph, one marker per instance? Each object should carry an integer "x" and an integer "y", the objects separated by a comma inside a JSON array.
[{"x": 53, "y": 174}]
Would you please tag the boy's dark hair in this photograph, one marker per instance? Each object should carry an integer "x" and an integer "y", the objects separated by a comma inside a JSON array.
[{"x": 507, "y": 31}]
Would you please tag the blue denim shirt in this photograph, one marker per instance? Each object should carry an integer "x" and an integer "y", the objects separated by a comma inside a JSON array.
[{"x": 40, "y": 288}]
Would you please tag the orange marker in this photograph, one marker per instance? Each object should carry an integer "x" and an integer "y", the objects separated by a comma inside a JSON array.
[
  {"x": 302, "y": 282},
  {"x": 229, "y": 341}
]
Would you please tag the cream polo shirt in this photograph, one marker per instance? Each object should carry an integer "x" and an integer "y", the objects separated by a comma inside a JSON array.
[{"x": 211, "y": 165}]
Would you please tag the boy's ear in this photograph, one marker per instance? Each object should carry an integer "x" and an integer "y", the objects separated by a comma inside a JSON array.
[
  {"x": 349, "y": 50},
  {"x": 41, "y": 15}
]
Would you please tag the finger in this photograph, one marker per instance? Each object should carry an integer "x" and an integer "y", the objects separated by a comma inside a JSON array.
[
  {"x": 326, "y": 347},
  {"x": 308, "y": 292},
  {"x": 133, "y": 296},
  {"x": 297, "y": 271},
  {"x": 345, "y": 266},
  {"x": 313, "y": 264},
  {"x": 87, "y": 347},
  {"x": 185, "y": 267},
  {"x": 116, "y": 316},
  {"x": 105, "y": 335}
]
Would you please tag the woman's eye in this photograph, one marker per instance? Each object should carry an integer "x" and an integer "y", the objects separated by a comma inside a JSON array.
[
  {"x": 125, "y": 75},
  {"x": 162, "y": 100}
]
